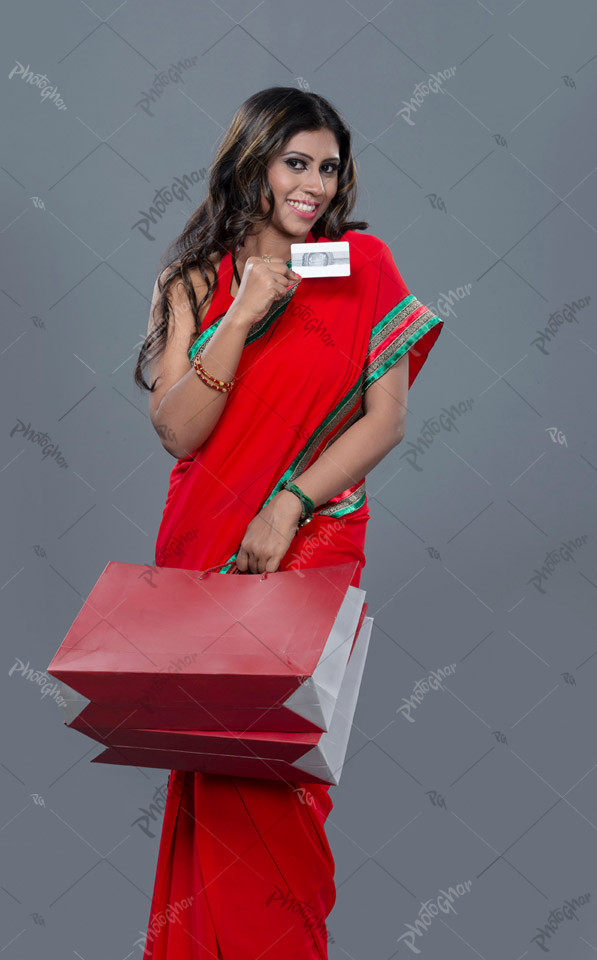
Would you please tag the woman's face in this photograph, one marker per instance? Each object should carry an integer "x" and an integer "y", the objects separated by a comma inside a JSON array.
[{"x": 305, "y": 170}]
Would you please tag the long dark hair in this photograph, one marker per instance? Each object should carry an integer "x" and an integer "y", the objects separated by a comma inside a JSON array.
[{"x": 259, "y": 130}]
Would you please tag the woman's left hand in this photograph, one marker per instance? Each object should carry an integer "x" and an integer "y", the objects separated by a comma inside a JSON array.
[{"x": 269, "y": 534}]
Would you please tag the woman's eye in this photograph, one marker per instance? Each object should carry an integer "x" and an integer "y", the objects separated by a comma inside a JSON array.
[{"x": 331, "y": 167}]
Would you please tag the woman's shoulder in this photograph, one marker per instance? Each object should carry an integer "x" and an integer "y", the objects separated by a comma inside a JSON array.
[
  {"x": 365, "y": 249},
  {"x": 194, "y": 274},
  {"x": 196, "y": 279},
  {"x": 174, "y": 267},
  {"x": 367, "y": 243},
  {"x": 366, "y": 238}
]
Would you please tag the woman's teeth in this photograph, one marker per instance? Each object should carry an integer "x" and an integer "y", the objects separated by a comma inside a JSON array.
[{"x": 305, "y": 207}]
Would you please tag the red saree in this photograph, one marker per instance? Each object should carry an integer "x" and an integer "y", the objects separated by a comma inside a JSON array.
[{"x": 244, "y": 866}]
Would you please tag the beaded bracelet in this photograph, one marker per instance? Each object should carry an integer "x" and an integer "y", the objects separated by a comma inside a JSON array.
[
  {"x": 223, "y": 385},
  {"x": 306, "y": 503}
]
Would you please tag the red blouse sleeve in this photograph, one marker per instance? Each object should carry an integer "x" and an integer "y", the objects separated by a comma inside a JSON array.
[{"x": 400, "y": 323}]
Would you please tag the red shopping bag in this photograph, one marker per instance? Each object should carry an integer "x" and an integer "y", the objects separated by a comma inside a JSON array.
[
  {"x": 97, "y": 720},
  {"x": 292, "y": 757},
  {"x": 215, "y": 651}
]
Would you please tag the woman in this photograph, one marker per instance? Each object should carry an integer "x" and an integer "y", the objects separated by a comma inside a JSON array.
[{"x": 277, "y": 395}]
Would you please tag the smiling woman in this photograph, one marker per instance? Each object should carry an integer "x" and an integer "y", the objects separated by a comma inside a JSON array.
[{"x": 277, "y": 395}]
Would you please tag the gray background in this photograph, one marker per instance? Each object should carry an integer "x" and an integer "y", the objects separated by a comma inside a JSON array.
[{"x": 495, "y": 781}]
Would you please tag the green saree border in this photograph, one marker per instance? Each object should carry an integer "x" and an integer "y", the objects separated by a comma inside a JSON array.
[
  {"x": 401, "y": 344},
  {"x": 402, "y": 307},
  {"x": 348, "y": 504}
]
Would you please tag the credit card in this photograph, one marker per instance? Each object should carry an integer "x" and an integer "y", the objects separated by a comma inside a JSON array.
[{"x": 324, "y": 259}]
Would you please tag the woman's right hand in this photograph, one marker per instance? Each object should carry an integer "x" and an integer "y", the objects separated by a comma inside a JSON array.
[{"x": 261, "y": 284}]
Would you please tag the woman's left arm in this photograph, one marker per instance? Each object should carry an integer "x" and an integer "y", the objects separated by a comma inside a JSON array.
[
  {"x": 349, "y": 458},
  {"x": 365, "y": 443}
]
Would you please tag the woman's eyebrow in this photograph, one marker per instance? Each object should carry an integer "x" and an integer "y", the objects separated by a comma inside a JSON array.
[{"x": 307, "y": 155}]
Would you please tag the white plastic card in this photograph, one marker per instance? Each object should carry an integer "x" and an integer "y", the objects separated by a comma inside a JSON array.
[{"x": 323, "y": 259}]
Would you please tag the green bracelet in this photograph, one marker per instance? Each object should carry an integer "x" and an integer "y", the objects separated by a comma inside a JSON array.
[{"x": 306, "y": 503}]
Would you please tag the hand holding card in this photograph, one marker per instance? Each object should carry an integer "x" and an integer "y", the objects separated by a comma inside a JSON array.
[{"x": 262, "y": 285}]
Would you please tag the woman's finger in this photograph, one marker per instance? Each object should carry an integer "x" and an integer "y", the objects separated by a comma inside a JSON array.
[
  {"x": 280, "y": 288},
  {"x": 241, "y": 559}
]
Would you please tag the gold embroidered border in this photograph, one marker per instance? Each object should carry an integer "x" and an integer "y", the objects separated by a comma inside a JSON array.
[
  {"x": 395, "y": 345},
  {"x": 347, "y": 505},
  {"x": 394, "y": 322}
]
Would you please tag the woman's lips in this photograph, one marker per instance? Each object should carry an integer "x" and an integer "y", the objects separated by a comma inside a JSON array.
[{"x": 303, "y": 213}]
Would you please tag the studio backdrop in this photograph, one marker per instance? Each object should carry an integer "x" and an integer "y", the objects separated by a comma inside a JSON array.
[{"x": 465, "y": 823}]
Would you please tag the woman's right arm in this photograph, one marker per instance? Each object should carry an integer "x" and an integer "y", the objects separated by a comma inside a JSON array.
[{"x": 182, "y": 408}]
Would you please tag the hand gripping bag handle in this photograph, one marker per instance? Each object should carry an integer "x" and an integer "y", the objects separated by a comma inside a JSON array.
[{"x": 234, "y": 569}]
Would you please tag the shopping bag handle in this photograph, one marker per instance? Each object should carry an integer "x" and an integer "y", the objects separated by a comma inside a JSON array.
[{"x": 233, "y": 569}]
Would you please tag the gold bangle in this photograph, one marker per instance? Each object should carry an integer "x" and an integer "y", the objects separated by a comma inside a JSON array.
[{"x": 223, "y": 385}]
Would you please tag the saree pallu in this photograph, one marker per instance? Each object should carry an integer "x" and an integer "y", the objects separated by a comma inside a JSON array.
[{"x": 244, "y": 866}]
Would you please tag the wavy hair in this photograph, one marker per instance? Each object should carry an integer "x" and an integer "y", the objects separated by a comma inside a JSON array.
[{"x": 259, "y": 130}]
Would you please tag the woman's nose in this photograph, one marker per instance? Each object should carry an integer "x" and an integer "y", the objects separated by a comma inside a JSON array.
[{"x": 315, "y": 185}]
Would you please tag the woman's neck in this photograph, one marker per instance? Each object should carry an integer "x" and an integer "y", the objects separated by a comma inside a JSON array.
[{"x": 260, "y": 247}]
